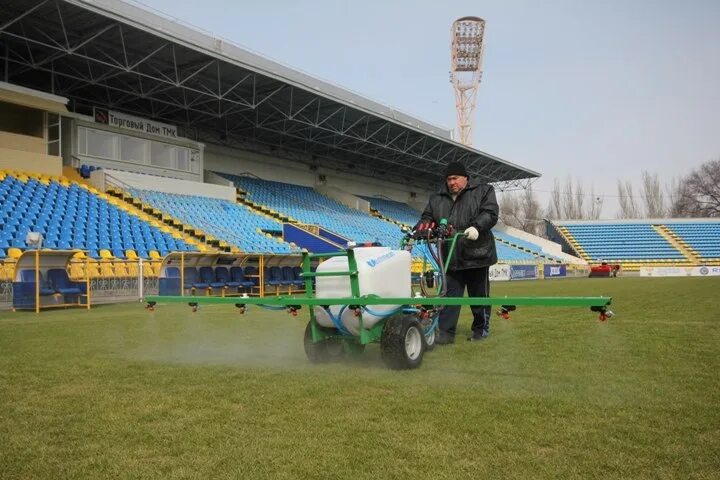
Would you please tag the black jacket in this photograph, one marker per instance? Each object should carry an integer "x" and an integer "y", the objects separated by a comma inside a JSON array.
[{"x": 476, "y": 206}]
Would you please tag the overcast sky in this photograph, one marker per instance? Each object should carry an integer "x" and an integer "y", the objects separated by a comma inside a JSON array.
[{"x": 595, "y": 90}]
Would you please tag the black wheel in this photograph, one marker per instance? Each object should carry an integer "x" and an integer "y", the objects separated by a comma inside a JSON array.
[
  {"x": 324, "y": 351},
  {"x": 402, "y": 343},
  {"x": 430, "y": 339}
]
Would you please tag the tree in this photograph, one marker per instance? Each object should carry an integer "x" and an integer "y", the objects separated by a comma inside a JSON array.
[
  {"x": 628, "y": 206},
  {"x": 522, "y": 210},
  {"x": 698, "y": 194},
  {"x": 653, "y": 196},
  {"x": 571, "y": 203}
]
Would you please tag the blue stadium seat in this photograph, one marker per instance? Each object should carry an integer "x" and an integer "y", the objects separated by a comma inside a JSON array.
[
  {"x": 238, "y": 276},
  {"x": 28, "y": 276},
  {"x": 71, "y": 217}
]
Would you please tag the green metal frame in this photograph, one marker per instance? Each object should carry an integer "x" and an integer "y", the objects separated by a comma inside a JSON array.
[{"x": 372, "y": 334}]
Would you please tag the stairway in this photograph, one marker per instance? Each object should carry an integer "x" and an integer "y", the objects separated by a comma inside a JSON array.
[
  {"x": 678, "y": 243},
  {"x": 163, "y": 221},
  {"x": 579, "y": 251}
]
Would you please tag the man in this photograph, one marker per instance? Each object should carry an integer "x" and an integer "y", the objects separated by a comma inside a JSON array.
[{"x": 471, "y": 208}]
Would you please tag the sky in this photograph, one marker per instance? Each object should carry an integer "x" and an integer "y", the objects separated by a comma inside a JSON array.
[{"x": 597, "y": 91}]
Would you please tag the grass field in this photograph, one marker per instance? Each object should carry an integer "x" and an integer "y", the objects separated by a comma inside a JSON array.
[{"x": 119, "y": 392}]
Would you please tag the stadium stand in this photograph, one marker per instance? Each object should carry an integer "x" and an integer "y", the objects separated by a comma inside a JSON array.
[
  {"x": 634, "y": 243},
  {"x": 304, "y": 205},
  {"x": 71, "y": 215},
  {"x": 702, "y": 239},
  {"x": 396, "y": 211},
  {"x": 231, "y": 222}
]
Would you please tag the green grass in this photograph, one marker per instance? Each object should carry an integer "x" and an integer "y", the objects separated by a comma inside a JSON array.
[{"x": 119, "y": 392}]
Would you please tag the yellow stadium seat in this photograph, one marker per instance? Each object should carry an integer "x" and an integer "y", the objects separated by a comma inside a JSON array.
[
  {"x": 105, "y": 254},
  {"x": 120, "y": 269},
  {"x": 155, "y": 267},
  {"x": 77, "y": 270},
  {"x": 131, "y": 255},
  {"x": 94, "y": 267},
  {"x": 7, "y": 270},
  {"x": 154, "y": 254},
  {"x": 106, "y": 269},
  {"x": 14, "y": 252},
  {"x": 132, "y": 269}
]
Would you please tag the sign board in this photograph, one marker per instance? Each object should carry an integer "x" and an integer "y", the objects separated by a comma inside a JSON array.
[
  {"x": 554, "y": 271},
  {"x": 131, "y": 123},
  {"x": 500, "y": 272},
  {"x": 523, "y": 272},
  {"x": 680, "y": 271}
]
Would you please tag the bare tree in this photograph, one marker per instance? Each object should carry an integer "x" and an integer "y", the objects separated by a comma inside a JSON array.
[
  {"x": 533, "y": 214},
  {"x": 653, "y": 196},
  {"x": 572, "y": 203},
  {"x": 579, "y": 199},
  {"x": 698, "y": 195},
  {"x": 569, "y": 204},
  {"x": 628, "y": 206},
  {"x": 673, "y": 189},
  {"x": 510, "y": 209},
  {"x": 596, "y": 205},
  {"x": 522, "y": 211},
  {"x": 554, "y": 210}
]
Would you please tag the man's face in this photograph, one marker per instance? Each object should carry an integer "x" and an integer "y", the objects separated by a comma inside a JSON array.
[{"x": 456, "y": 183}]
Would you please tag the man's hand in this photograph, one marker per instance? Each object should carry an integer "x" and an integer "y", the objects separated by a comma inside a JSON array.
[{"x": 472, "y": 233}]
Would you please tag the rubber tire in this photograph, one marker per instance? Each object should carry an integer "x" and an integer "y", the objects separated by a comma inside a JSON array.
[
  {"x": 324, "y": 351},
  {"x": 430, "y": 346},
  {"x": 392, "y": 342}
]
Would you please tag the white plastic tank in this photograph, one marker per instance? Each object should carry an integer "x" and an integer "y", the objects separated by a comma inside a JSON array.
[{"x": 381, "y": 271}]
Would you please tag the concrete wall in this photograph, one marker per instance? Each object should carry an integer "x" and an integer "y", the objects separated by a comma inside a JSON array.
[
  {"x": 166, "y": 185},
  {"x": 26, "y": 143},
  {"x": 216, "y": 179},
  {"x": 547, "y": 246},
  {"x": 30, "y": 162},
  {"x": 345, "y": 198}
]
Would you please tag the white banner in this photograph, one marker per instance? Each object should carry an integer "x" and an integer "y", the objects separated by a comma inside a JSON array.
[
  {"x": 499, "y": 273},
  {"x": 679, "y": 271},
  {"x": 124, "y": 121}
]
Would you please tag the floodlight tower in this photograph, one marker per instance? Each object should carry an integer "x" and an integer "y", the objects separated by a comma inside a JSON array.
[{"x": 467, "y": 53}]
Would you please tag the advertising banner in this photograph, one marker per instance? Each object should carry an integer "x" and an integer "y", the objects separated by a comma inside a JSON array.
[
  {"x": 500, "y": 273},
  {"x": 134, "y": 124},
  {"x": 554, "y": 271},
  {"x": 679, "y": 271},
  {"x": 523, "y": 272}
]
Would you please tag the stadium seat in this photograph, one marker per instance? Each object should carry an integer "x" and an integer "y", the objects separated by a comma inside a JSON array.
[
  {"x": 238, "y": 276},
  {"x": 59, "y": 280},
  {"x": 28, "y": 276}
]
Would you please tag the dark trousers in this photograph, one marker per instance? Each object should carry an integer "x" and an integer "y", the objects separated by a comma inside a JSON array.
[{"x": 477, "y": 282}]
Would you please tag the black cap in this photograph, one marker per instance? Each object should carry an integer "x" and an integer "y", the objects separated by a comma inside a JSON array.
[{"x": 456, "y": 168}]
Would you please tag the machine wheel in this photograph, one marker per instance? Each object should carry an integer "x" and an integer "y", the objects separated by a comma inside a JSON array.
[
  {"x": 402, "y": 343},
  {"x": 430, "y": 340},
  {"x": 324, "y": 351}
]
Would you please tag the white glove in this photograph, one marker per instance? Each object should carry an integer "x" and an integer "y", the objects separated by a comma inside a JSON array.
[{"x": 472, "y": 233}]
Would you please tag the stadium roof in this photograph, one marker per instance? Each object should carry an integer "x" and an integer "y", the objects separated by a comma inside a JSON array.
[{"x": 117, "y": 55}]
